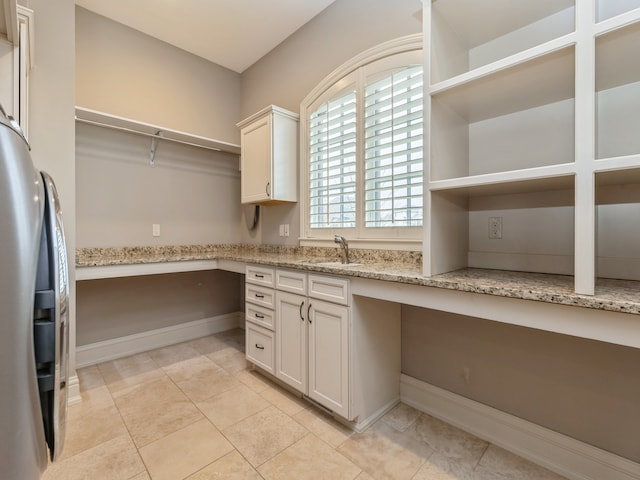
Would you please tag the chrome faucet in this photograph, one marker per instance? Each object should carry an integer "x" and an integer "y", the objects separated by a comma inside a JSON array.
[{"x": 344, "y": 247}]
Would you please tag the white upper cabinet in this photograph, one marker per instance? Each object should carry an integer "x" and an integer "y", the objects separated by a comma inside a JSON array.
[{"x": 269, "y": 156}]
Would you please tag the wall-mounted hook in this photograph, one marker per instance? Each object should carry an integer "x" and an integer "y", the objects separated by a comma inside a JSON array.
[{"x": 154, "y": 146}]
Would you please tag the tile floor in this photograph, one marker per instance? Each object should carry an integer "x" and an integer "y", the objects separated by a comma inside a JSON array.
[{"x": 197, "y": 411}]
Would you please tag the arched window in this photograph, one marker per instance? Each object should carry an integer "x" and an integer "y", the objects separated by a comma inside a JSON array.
[{"x": 362, "y": 148}]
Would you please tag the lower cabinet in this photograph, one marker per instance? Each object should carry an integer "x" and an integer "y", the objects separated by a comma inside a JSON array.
[
  {"x": 339, "y": 350},
  {"x": 312, "y": 349},
  {"x": 259, "y": 346}
]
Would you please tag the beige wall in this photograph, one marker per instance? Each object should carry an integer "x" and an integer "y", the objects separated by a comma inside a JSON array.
[
  {"x": 51, "y": 115},
  {"x": 192, "y": 193},
  {"x": 290, "y": 71},
  {"x": 127, "y": 73},
  {"x": 582, "y": 388},
  {"x": 112, "y": 308}
]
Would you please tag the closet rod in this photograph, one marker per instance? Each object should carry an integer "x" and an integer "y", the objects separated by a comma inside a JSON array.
[{"x": 157, "y": 135}]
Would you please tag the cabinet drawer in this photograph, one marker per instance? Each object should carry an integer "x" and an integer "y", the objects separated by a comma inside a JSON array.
[
  {"x": 260, "y": 275},
  {"x": 260, "y": 347},
  {"x": 290, "y": 281},
  {"x": 331, "y": 289},
  {"x": 260, "y": 295},
  {"x": 259, "y": 315}
]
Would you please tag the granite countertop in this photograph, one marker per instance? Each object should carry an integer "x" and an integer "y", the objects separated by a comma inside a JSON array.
[{"x": 394, "y": 266}]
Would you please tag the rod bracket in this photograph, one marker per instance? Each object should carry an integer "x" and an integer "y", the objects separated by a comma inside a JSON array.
[{"x": 154, "y": 147}]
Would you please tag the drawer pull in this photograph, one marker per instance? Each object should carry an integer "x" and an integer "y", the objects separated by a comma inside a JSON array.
[
  {"x": 258, "y": 295},
  {"x": 301, "y": 315},
  {"x": 309, "y": 313},
  {"x": 259, "y": 347},
  {"x": 259, "y": 275},
  {"x": 259, "y": 316}
]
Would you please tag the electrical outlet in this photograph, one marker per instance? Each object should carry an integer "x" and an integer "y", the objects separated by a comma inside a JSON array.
[
  {"x": 495, "y": 227},
  {"x": 155, "y": 230},
  {"x": 281, "y": 230},
  {"x": 286, "y": 229}
]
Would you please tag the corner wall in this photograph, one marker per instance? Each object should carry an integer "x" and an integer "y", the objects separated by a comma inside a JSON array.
[{"x": 290, "y": 71}]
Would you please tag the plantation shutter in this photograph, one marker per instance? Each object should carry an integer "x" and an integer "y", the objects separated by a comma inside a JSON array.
[
  {"x": 393, "y": 150},
  {"x": 332, "y": 172}
]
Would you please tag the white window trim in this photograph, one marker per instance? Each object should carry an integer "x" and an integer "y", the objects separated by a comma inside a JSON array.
[{"x": 393, "y": 238}]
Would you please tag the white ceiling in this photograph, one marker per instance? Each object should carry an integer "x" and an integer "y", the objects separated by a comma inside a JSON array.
[{"x": 231, "y": 33}]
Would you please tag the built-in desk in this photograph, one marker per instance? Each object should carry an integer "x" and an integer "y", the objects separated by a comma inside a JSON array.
[{"x": 545, "y": 302}]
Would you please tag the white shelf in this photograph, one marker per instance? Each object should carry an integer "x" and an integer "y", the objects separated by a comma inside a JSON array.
[
  {"x": 618, "y": 92},
  {"x": 467, "y": 34},
  {"x": 542, "y": 80},
  {"x": 618, "y": 224},
  {"x": 615, "y": 9},
  {"x": 556, "y": 177},
  {"x": 518, "y": 118},
  {"x": 102, "y": 119}
]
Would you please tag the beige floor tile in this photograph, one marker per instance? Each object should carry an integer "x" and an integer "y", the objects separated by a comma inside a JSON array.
[
  {"x": 232, "y": 406},
  {"x": 94, "y": 427},
  {"x": 284, "y": 400},
  {"x": 364, "y": 476},
  {"x": 254, "y": 380},
  {"x": 211, "y": 344},
  {"x": 90, "y": 377},
  {"x": 231, "y": 359},
  {"x": 116, "y": 459},
  {"x": 309, "y": 458},
  {"x": 385, "y": 453},
  {"x": 173, "y": 354},
  {"x": 499, "y": 464},
  {"x": 439, "y": 467},
  {"x": 158, "y": 409},
  {"x": 449, "y": 440},
  {"x": 92, "y": 399},
  {"x": 185, "y": 451},
  {"x": 230, "y": 467},
  {"x": 200, "y": 378},
  {"x": 323, "y": 426},
  {"x": 265, "y": 434},
  {"x": 401, "y": 417},
  {"x": 127, "y": 374},
  {"x": 142, "y": 476}
]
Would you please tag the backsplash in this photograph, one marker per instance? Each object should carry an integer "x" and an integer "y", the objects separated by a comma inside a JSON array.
[{"x": 185, "y": 252}]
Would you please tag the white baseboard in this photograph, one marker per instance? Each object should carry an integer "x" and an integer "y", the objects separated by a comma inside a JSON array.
[
  {"x": 365, "y": 423},
  {"x": 73, "y": 390},
  {"x": 141, "y": 342},
  {"x": 568, "y": 457}
]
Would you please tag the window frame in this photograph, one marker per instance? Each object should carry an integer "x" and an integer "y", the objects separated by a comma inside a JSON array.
[{"x": 387, "y": 56}]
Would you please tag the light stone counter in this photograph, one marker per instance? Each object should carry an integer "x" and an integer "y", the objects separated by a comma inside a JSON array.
[{"x": 393, "y": 266}]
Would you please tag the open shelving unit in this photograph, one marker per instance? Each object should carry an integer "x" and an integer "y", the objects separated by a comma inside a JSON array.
[{"x": 533, "y": 121}]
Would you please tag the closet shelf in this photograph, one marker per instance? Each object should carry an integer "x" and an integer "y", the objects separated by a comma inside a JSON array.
[{"x": 101, "y": 119}]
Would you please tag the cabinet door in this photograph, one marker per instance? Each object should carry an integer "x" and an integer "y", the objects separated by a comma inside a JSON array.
[
  {"x": 291, "y": 340},
  {"x": 255, "y": 177},
  {"x": 329, "y": 356}
]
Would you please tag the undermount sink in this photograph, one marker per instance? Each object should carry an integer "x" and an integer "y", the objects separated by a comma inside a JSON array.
[
  {"x": 335, "y": 264},
  {"x": 338, "y": 264}
]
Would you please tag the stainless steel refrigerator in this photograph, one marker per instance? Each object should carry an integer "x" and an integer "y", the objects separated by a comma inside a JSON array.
[{"x": 34, "y": 294}]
